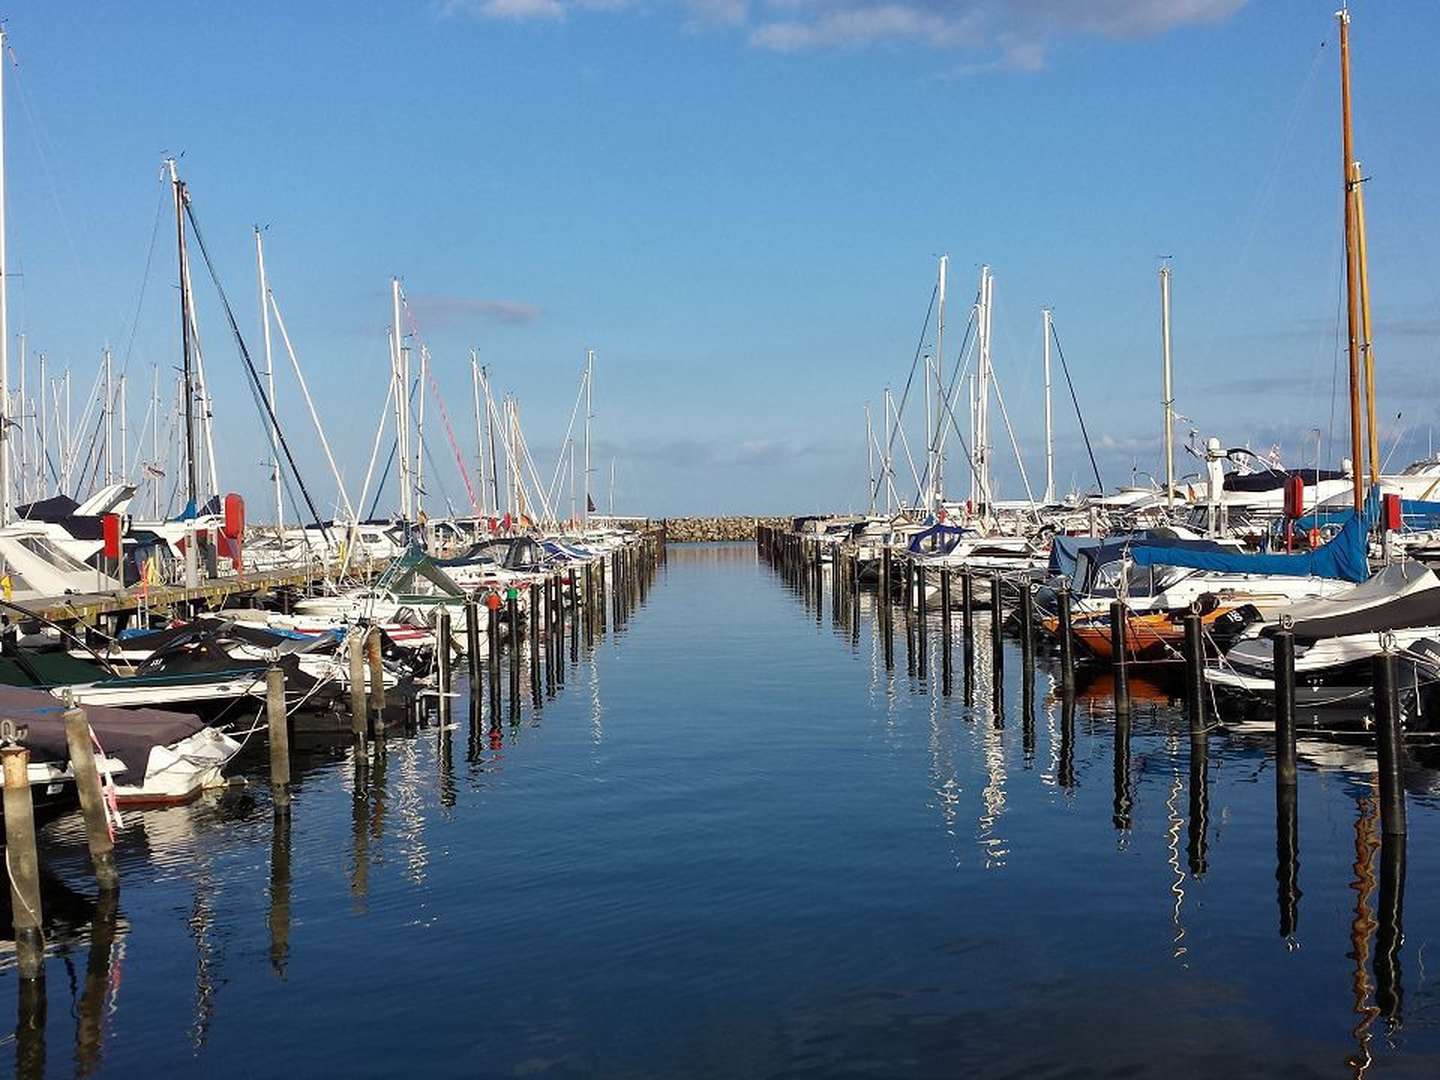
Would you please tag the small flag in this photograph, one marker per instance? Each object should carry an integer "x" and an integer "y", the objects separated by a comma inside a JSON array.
[{"x": 589, "y": 505}]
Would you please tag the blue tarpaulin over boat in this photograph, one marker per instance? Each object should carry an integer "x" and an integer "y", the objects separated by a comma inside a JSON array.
[
  {"x": 1343, "y": 557},
  {"x": 941, "y": 540}
]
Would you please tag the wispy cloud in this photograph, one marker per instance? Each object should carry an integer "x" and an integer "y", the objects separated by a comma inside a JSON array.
[
  {"x": 1003, "y": 34},
  {"x": 440, "y": 310}
]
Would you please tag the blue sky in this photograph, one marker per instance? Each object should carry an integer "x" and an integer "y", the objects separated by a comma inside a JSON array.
[{"x": 739, "y": 206}]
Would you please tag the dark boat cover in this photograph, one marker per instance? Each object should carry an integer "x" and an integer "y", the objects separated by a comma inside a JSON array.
[{"x": 127, "y": 734}]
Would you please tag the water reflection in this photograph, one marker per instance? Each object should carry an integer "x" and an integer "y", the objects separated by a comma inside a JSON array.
[
  {"x": 102, "y": 980},
  {"x": 279, "y": 913},
  {"x": 1287, "y": 860}
]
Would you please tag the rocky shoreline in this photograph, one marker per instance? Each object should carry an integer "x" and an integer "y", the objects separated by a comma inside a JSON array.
[{"x": 691, "y": 530}]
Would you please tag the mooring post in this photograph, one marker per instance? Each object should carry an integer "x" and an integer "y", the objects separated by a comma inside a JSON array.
[
  {"x": 922, "y": 612},
  {"x": 377, "y": 682},
  {"x": 997, "y": 640},
  {"x": 23, "y": 863},
  {"x": 492, "y": 631},
  {"x": 1117, "y": 659},
  {"x": 92, "y": 800},
  {"x": 517, "y": 641},
  {"x": 600, "y": 594},
  {"x": 1284, "y": 649},
  {"x": 1067, "y": 641},
  {"x": 886, "y": 582},
  {"x": 442, "y": 664},
  {"x": 355, "y": 647},
  {"x": 946, "y": 628},
  {"x": 908, "y": 577},
  {"x": 574, "y": 617},
  {"x": 1391, "y": 749},
  {"x": 1195, "y": 671},
  {"x": 533, "y": 618},
  {"x": 279, "y": 732},
  {"x": 557, "y": 656},
  {"x": 472, "y": 642},
  {"x": 1027, "y": 626}
]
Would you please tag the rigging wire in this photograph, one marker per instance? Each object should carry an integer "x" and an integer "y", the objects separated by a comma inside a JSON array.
[
  {"x": 1060, "y": 351},
  {"x": 257, "y": 388}
]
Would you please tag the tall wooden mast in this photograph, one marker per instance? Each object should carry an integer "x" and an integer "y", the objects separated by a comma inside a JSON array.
[{"x": 1352, "y": 270}]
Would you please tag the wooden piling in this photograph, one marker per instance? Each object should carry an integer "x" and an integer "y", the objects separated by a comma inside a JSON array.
[
  {"x": 532, "y": 617},
  {"x": 442, "y": 665},
  {"x": 492, "y": 631},
  {"x": 355, "y": 645},
  {"x": 997, "y": 639},
  {"x": 1194, "y": 671},
  {"x": 922, "y": 613},
  {"x": 1067, "y": 640},
  {"x": 574, "y": 617},
  {"x": 23, "y": 864},
  {"x": 472, "y": 643},
  {"x": 1283, "y": 644},
  {"x": 1027, "y": 626},
  {"x": 279, "y": 733},
  {"x": 946, "y": 629},
  {"x": 1390, "y": 751},
  {"x": 377, "y": 682},
  {"x": 1118, "y": 664},
  {"x": 92, "y": 800}
]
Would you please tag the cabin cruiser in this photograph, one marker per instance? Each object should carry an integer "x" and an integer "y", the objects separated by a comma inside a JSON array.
[{"x": 1336, "y": 639}]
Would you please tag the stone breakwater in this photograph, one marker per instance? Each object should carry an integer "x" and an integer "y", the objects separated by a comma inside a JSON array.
[{"x": 695, "y": 529}]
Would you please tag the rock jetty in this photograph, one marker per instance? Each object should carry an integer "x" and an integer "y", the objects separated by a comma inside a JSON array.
[{"x": 698, "y": 529}]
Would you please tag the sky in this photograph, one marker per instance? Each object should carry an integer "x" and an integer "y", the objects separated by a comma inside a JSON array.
[{"x": 739, "y": 206}]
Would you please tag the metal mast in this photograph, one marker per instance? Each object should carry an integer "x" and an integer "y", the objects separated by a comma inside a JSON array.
[
  {"x": 1049, "y": 430},
  {"x": 870, "y": 456},
  {"x": 1168, "y": 400},
  {"x": 270, "y": 382},
  {"x": 589, "y": 414},
  {"x": 937, "y": 485},
  {"x": 6, "y": 505},
  {"x": 192, "y": 479},
  {"x": 402, "y": 400},
  {"x": 479, "y": 431}
]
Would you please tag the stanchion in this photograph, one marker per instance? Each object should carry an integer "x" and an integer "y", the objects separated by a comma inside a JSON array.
[{"x": 1067, "y": 640}]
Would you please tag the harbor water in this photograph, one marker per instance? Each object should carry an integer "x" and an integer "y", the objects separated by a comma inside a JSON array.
[{"x": 734, "y": 845}]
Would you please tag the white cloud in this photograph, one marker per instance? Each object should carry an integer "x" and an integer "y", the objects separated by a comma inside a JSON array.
[{"x": 1012, "y": 34}]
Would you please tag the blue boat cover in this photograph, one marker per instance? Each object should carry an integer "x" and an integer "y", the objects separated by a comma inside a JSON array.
[
  {"x": 1343, "y": 557},
  {"x": 946, "y": 537}
]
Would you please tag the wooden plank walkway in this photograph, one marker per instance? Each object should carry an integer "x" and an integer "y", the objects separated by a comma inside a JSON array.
[{"x": 211, "y": 592}]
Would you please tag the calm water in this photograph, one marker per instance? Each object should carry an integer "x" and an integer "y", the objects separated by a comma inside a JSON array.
[{"x": 733, "y": 846}]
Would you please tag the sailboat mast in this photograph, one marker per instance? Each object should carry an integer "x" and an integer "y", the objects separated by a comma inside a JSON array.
[
  {"x": 124, "y": 436},
  {"x": 42, "y": 480},
  {"x": 1367, "y": 343},
  {"x": 589, "y": 414},
  {"x": 1168, "y": 403},
  {"x": 612, "y": 487},
  {"x": 479, "y": 431},
  {"x": 109, "y": 414},
  {"x": 420, "y": 433},
  {"x": 870, "y": 457},
  {"x": 889, "y": 506},
  {"x": 192, "y": 476},
  {"x": 1352, "y": 284},
  {"x": 1049, "y": 429},
  {"x": 937, "y": 485},
  {"x": 6, "y": 507},
  {"x": 402, "y": 399},
  {"x": 264, "y": 286}
]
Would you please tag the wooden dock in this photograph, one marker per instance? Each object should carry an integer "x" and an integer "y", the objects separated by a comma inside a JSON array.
[{"x": 211, "y": 593}]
